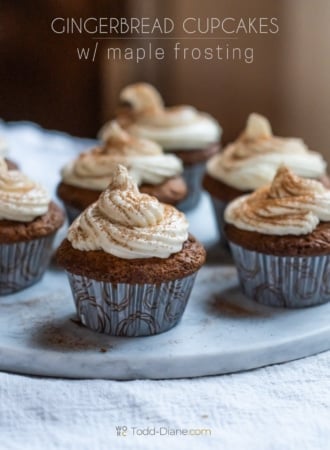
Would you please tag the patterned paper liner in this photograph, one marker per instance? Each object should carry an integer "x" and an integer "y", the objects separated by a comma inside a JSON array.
[
  {"x": 122, "y": 309},
  {"x": 219, "y": 208},
  {"x": 193, "y": 175},
  {"x": 284, "y": 281},
  {"x": 23, "y": 263}
]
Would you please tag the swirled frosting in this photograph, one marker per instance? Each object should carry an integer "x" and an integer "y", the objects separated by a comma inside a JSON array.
[
  {"x": 3, "y": 148},
  {"x": 144, "y": 159},
  {"x": 179, "y": 127},
  {"x": 252, "y": 160},
  {"x": 128, "y": 224},
  {"x": 21, "y": 199},
  {"x": 289, "y": 205}
]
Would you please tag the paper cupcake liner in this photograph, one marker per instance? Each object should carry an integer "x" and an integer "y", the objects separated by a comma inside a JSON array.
[
  {"x": 122, "y": 309},
  {"x": 23, "y": 263},
  {"x": 193, "y": 175},
  {"x": 71, "y": 212},
  {"x": 285, "y": 281},
  {"x": 219, "y": 208}
]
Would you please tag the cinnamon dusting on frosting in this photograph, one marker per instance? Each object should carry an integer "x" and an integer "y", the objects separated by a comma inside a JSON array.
[
  {"x": 128, "y": 224},
  {"x": 289, "y": 205},
  {"x": 252, "y": 160},
  {"x": 145, "y": 160},
  {"x": 21, "y": 199}
]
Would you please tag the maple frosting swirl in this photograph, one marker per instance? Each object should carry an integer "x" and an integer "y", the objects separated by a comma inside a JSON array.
[
  {"x": 128, "y": 224},
  {"x": 21, "y": 199},
  {"x": 252, "y": 160},
  {"x": 178, "y": 127},
  {"x": 144, "y": 159},
  {"x": 290, "y": 205}
]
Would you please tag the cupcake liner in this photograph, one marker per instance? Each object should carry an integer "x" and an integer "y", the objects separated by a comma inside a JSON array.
[
  {"x": 23, "y": 263},
  {"x": 72, "y": 212},
  {"x": 219, "y": 208},
  {"x": 193, "y": 175},
  {"x": 284, "y": 281},
  {"x": 122, "y": 309}
]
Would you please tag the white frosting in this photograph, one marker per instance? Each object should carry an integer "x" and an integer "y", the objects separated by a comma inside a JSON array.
[
  {"x": 144, "y": 159},
  {"x": 180, "y": 127},
  {"x": 21, "y": 199},
  {"x": 128, "y": 224},
  {"x": 252, "y": 160},
  {"x": 289, "y": 206}
]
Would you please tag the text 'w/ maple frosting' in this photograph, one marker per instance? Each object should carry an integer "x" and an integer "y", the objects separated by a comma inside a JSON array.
[
  {"x": 289, "y": 206},
  {"x": 128, "y": 224},
  {"x": 144, "y": 159},
  {"x": 21, "y": 199},
  {"x": 178, "y": 127},
  {"x": 252, "y": 160}
]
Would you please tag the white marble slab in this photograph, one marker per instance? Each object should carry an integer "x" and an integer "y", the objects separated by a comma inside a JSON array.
[{"x": 221, "y": 332}]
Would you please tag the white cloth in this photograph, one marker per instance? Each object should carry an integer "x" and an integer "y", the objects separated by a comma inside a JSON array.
[{"x": 279, "y": 407}]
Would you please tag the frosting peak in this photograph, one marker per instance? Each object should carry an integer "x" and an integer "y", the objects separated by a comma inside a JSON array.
[
  {"x": 21, "y": 199},
  {"x": 289, "y": 205},
  {"x": 252, "y": 160},
  {"x": 128, "y": 224},
  {"x": 119, "y": 142},
  {"x": 257, "y": 127},
  {"x": 142, "y": 98}
]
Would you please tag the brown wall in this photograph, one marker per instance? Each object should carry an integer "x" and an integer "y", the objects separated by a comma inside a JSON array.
[{"x": 42, "y": 80}]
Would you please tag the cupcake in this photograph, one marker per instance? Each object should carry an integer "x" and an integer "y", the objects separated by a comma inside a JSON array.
[
  {"x": 280, "y": 240},
  {"x": 130, "y": 261},
  {"x": 28, "y": 224},
  {"x": 252, "y": 161},
  {"x": 4, "y": 152},
  {"x": 191, "y": 135},
  {"x": 156, "y": 174}
]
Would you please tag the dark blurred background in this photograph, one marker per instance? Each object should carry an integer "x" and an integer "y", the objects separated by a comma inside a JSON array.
[{"x": 42, "y": 79}]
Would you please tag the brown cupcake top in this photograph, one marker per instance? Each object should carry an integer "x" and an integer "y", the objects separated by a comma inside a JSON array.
[
  {"x": 105, "y": 267},
  {"x": 12, "y": 231}
]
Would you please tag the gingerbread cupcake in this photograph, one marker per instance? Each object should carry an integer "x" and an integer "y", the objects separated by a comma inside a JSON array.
[
  {"x": 191, "y": 135},
  {"x": 130, "y": 261},
  {"x": 252, "y": 161},
  {"x": 280, "y": 240},
  {"x": 85, "y": 178},
  {"x": 28, "y": 224}
]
